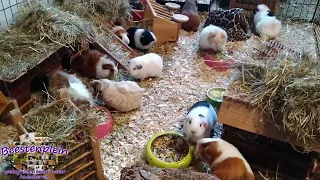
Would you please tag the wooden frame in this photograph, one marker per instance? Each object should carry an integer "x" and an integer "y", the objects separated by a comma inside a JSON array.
[
  {"x": 163, "y": 27},
  {"x": 19, "y": 89},
  {"x": 15, "y": 118},
  {"x": 240, "y": 114}
]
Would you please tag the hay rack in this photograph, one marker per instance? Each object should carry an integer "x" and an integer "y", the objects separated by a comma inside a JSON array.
[
  {"x": 86, "y": 165},
  {"x": 264, "y": 145},
  {"x": 163, "y": 26},
  {"x": 271, "y": 49}
]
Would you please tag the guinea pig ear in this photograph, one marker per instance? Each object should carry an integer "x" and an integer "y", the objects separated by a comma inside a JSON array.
[
  {"x": 212, "y": 35},
  {"x": 223, "y": 36},
  {"x": 204, "y": 124},
  {"x": 207, "y": 152},
  {"x": 97, "y": 85}
]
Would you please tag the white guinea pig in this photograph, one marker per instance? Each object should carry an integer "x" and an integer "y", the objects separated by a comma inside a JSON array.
[
  {"x": 124, "y": 96},
  {"x": 225, "y": 160},
  {"x": 148, "y": 65},
  {"x": 213, "y": 38},
  {"x": 121, "y": 33},
  {"x": 266, "y": 24},
  {"x": 200, "y": 119}
]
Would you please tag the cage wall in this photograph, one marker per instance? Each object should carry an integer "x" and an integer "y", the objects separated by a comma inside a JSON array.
[{"x": 9, "y": 8}]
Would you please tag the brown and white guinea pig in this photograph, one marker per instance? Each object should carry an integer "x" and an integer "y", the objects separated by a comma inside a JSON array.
[
  {"x": 199, "y": 122},
  {"x": 121, "y": 33},
  {"x": 225, "y": 160},
  {"x": 266, "y": 24},
  {"x": 77, "y": 91},
  {"x": 213, "y": 38},
  {"x": 93, "y": 64},
  {"x": 141, "y": 39},
  {"x": 190, "y": 9},
  {"x": 124, "y": 96},
  {"x": 148, "y": 65}
]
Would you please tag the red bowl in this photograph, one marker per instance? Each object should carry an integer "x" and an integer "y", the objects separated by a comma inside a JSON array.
[
  {"x": 104, "y": 129},
  {"x": 137, "y": 15},
  {"x": 219, "y": 65}
]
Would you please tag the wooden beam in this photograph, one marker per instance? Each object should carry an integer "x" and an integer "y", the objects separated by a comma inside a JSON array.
[
  {"x": 240, "y": 114},
  {"x": 95, "y": 144}
]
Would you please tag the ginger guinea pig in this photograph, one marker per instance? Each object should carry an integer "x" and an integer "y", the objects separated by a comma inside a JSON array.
[
  {"x": 93, "y": 64},
  {"x": 124, "y": 96},
  {"x": 213, "y": 38},
  {"x": 225, "y": 160},
  {"x": 200, "y": 119}
]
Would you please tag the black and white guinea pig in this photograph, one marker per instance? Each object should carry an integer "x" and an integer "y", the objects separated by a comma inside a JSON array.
[
  {"x": 141, "y": 39},
  {"x": 200, "y": 119}
]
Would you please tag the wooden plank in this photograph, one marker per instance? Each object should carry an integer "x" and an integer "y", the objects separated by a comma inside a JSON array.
[
  {"x": 77, "y": 170},
  {"x": 243, "y": 116},
  {"x": 88, "y": 175},
  {"x": 76, "y": 159},
  {"x": 17, "y": 121},
  {"x": 5, "y": 116},
  {"x": 95, "y": 144},
  {"x": 120, "y": 41},
  {"x": 3, "y": 103}
]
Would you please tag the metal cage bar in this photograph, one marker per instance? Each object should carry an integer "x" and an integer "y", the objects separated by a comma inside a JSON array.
[{"x": 9, "y": 9}]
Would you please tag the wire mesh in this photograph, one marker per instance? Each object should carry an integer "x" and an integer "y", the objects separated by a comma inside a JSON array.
[{"x": 8, "y": 10}]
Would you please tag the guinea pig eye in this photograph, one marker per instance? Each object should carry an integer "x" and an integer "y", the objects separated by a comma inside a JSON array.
[
  {"x": 189, "y": 122},
  {"x": 200, "y": 125}
]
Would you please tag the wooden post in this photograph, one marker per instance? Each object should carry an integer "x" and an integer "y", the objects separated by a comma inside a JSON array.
[{"x": 96, "y": 152}]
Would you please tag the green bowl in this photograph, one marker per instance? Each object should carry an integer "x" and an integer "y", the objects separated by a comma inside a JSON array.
[
  {"x": 153, "y": 161},
  {"x": 215, "y": 102}
]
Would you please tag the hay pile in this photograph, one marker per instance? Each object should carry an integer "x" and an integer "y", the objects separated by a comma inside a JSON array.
[
  {"x": 38, "y": 31},
  {"x": 58, "y": 119},
  {"x": 288, "y": 90},
  {"x": 97, "y": 11}
]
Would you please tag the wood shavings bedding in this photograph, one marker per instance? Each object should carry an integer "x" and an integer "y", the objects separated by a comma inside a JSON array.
[{"x": 185, "y": 80}]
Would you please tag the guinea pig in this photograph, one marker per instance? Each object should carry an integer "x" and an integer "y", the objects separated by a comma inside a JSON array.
[
  {"x": 77, "y": 91},
  {"x": 148, "y": 65},
  {"x": 121, "y": 33},
  {"x": 93, "y": 64},
  {"x": 225, "y": 160},
  {"x": 190, "y": 9},
  {"x": 266, "y": 24},
  {"x": 213, "y": 38},
  {"x": 141, "y": 39},
  {"x": 200, "y": 119},
  {"x": 124, "y": 96}
]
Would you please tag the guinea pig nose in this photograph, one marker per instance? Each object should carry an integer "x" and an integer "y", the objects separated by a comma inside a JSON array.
[{"x": 193, "y": 132}]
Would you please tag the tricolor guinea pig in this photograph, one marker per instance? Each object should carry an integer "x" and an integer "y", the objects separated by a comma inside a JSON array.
[
  {"x": 148, "y": 65},
  {"x": 93, "y": 64},
  {"x": 200, "y": 119},
  {"x": 225, "y": 160},
  {"x": 77, "y": 91},
  {"x": 213, "y": 38},
  {"x": 266, "y": 24},
  {"x": 141, "y": 39},
  {"x": 121, "y": 33}
]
